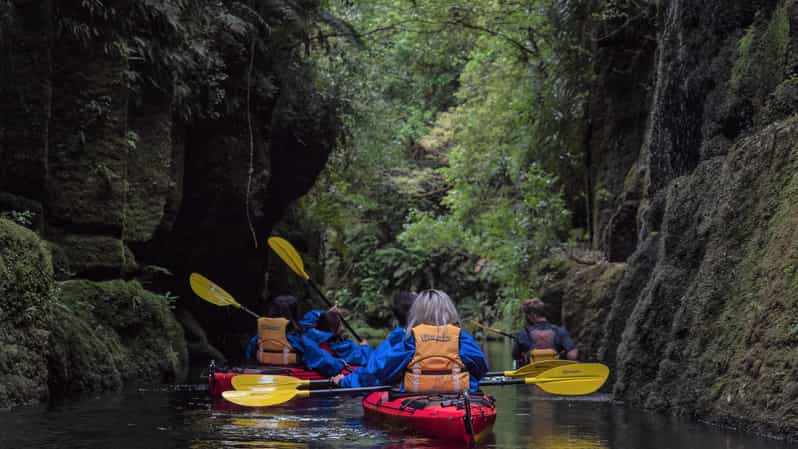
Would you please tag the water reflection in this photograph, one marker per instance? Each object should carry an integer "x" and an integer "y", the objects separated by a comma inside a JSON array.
[{"x": 159, "y": 418}]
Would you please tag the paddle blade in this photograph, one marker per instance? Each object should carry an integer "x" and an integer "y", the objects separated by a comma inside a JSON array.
[
  {"x": 571, "y": 380},
  {"x": 263, "y": 396},
  {"x": 249, "y": 381},
  {"x": 536, "y": 368},
  {"x": 207, "y": 290},
  {"x": 289, "y": 255}
]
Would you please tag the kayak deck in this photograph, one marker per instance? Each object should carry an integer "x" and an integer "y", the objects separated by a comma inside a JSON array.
[{"x": 434, "y": 416}]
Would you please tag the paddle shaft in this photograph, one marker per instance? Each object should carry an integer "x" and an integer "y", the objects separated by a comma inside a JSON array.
[
  {"x": 482, "y": 383},
  {"x": 488, "y": 383},
  {"x": 248, "y": 311},
  {"x": 329, "y": 304},
  {"x": 477, "y": 323},
  {"x": 349, "y": 390}
]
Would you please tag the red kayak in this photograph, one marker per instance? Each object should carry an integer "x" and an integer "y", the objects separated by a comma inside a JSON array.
[
  {"x": 221, "y": 381},
  {"x": 447, "y": 417}
]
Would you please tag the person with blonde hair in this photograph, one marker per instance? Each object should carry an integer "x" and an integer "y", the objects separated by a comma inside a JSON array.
[
  {"x": 435, "y": 355},
  {"x": 539, "y": 339}
]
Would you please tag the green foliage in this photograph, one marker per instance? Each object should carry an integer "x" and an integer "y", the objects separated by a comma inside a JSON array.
[
  {"x": 196, "y": 51},
  {"x": 20, "y": 217},
  {"x": 458, "y": 115}
]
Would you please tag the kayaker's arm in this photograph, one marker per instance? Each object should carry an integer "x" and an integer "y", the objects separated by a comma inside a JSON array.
[
  {"x": 351, "y": 352},
  {"x": 385, "y": 367},
  {"x": 314, "y": 357},
  {"x": 472, "y": 356},
  {"x": 252, "y": 347},
  {"x": 571, "y": 353},
  {"x": 521, "y": 345}
]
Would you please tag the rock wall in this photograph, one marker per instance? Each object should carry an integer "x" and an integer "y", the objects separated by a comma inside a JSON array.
[
  {"x": 77, "y": 336},
  {"x": 144, "y": 142},
  {"x": 701, "y": 315}
]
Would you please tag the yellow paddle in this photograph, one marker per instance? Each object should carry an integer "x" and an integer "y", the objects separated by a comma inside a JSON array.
[
  {"x": 250, "y": 381},
  {"x": 570, "y": 380},
  {"x": 532, "y": 369},
  {"x": 207, "y": 290},
  {"x": 290, "y": 256}
]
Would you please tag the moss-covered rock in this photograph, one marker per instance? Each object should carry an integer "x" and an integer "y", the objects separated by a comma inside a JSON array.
[
  {"x": 26, "y": 298},
  {"x": 79, "y": 336},
  {"x": 92, "y": 255},
  {"x": 113, "y": 332}
]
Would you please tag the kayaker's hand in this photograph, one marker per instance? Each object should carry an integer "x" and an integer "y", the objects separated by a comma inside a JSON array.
[
  {"x": 364, "y": 343},
  {"x": 337, "y": 379}
]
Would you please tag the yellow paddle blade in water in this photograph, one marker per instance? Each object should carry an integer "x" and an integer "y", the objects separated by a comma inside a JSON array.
[
  {"x": 571, "y": 380},
  {"x": 264, "y": 396},
  {"x": 249, "y": 381},
  {"x": 536, "y": 368},
  {"x": 290, "y": 256},
  {"x": 207, "y": 290}
]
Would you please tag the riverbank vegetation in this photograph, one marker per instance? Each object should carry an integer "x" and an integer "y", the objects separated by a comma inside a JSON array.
[{"x": 462, "y": 119}]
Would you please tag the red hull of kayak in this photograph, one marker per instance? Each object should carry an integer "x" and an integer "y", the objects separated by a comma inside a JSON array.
[
  {"x": 222, "y": 381},
  {"x": 434, "y": 420}
]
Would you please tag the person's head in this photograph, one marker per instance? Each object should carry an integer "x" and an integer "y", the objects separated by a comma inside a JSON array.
[
  {"x": 402, "y": 302},
  {"x": 432, "y": 307},
  {"x": 534, "y": 310},
  {"x": 330, "y": 321},
  {"x": 285, "y": 306}
]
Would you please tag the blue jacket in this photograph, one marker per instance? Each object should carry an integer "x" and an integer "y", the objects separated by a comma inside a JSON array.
[
  {"x": 387, "y": 364},
  {"x": 348, "y": 350},
  {"x": 310, "y": 319},
  {"x": 366, "y": 375}
]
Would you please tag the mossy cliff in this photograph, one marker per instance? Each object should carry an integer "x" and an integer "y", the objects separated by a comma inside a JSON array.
[
  {"x": 77, "y": 336},
  {"x": 698, "y": 313},
  {"x": 144, "y": 141}
]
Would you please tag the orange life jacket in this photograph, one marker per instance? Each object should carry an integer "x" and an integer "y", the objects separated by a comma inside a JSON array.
[
  {"x": 436, "y": 365},
  {"x": 273, "y": 347}
]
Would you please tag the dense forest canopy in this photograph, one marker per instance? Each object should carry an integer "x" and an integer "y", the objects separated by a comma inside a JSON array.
[{"x": 462, "y": 164}]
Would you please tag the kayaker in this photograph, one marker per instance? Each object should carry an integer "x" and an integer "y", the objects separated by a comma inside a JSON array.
[
  {"x": 279, "y": 333},
  {"x": 328, "y": 335},
  {"x": 280, "y": 341},
  {"x": 539, "y": 339},
  {"x": 434, "y": 355}
]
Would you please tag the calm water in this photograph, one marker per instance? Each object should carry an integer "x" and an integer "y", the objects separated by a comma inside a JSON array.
[{"x": 189, "y": 419}]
